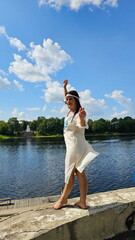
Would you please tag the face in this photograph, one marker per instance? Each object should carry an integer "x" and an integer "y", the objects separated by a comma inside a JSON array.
[{"x": 71, "y": 103}]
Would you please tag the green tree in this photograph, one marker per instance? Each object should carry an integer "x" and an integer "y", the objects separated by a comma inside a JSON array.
[
  {"x": 42, "y": 127},
  {"x": 10, "y": 129},
  {"x": 14, "y": 123},
  {"x": 129, "y": 124},
  {"x": 114, "y": 120},
  {"x": 24, "y": 125},
  {"x": 114, "y": 125},
  {"x": 33, "y": 125},
  {"x": 3, "y": 128},
  {"x": 90, "y": 123},
  {"x": 99, "y": 126},
  {"x": 121, "y": 126},
  {"x": 51, "y": 128}
]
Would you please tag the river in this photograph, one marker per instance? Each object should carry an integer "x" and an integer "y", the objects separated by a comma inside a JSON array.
[{"x": 35, "y": 167}]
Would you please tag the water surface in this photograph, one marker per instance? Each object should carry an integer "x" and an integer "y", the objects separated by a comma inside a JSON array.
[{"x": 35, "y": 167}]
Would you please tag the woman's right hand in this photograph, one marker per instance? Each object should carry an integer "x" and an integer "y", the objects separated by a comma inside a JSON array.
[{"x": 65, "y": 82}]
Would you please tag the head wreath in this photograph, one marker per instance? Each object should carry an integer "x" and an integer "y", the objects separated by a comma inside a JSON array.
[{"x": 71, "y": 95}]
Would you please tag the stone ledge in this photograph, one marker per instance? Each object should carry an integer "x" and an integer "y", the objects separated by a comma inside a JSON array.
[{"x": 105, "y": 217}]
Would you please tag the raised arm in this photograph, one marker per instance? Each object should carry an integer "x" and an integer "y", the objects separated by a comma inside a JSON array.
[{"x": 65, "y": 82}]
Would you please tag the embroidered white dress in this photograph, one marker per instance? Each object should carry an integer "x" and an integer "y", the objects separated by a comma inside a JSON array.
[{"x": 79, "y": 153}]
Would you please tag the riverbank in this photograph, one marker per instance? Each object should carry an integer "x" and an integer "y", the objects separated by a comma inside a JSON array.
[
  {"x": 61, "y": 136},
  {"x": 4, "y": 137}
]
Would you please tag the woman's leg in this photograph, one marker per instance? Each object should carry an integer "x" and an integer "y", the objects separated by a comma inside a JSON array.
[
  {"x": 83, "y": 189},
  {"x": 66, "y": 192}
]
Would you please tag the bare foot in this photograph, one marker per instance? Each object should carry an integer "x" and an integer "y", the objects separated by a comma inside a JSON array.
[
  {"x": 81, "y": 205},
  {"x": 59, "y": 204}
]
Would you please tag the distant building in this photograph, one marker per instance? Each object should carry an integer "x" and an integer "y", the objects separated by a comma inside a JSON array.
[
  {"x": 28, "y": 128},
  {"x": 28, "y": 132}
]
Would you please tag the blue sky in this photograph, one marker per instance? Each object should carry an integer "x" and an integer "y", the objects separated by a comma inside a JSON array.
[{"x": 89, "y": 42}]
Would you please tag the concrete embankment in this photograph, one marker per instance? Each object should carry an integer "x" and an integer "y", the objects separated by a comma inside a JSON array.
[{"x": 108, "y": 215}]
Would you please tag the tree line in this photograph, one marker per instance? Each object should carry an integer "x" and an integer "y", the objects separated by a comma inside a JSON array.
[{"x": 44, "y": 126}]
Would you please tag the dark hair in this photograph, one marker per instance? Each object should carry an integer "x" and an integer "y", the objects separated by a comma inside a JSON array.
[{"x": 73, "y": 92}]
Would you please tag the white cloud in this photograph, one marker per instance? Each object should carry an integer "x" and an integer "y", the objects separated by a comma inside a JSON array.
[
  {"x": 48, "y": 59},
  {"x": 120, "y": 114},
  {"x": 64, "y": 109},
  {"x": 16, "y": 43},
  {"x": 118, "y": 96},
  {"x": 4, "y": 83},
  {"x": 16, "y": 113},
  {"x": 18, "y": 85},
  {"x": 94, "y": 107},
  {"x": 111, "y": 3},
  {"x": 25, "y": 70},
  {"x": 44, "y": 108},
  {"x": 55, "y": 111},
  {"x": 3, "y": 31},
  {"x": 41, "y": 60},
  {"x": 33, "y": 109},
  {"x": 54, "y": 92},
  {"x": 38, "y": 85},
  {"x": 13, "y": 41},
  {"x": 91, "y": 10},
  {"x": 125, "y": 102},
  {"x": 77, "y": 4},
  {"x": 3, "y": 73}
]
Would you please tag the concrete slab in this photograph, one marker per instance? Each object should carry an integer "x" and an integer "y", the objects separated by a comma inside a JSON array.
[{"x": 105, "y": 217}]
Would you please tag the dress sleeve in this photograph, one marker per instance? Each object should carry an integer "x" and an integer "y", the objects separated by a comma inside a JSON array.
[{"x": 78, "y": 123}]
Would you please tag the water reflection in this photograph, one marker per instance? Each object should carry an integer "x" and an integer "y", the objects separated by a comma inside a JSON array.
[{"x": 35, "y": 167}]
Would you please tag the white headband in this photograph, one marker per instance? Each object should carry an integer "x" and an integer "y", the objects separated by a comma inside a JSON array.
[{"x": 70, "y": 95}]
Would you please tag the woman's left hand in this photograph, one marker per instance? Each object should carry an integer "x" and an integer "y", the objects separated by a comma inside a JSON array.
[{"x": 82, "y": 113}]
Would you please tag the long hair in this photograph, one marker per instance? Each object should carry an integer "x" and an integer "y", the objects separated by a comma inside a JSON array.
[{"x": 73, "y": 92}]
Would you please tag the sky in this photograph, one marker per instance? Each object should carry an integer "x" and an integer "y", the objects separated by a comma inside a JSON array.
[{"x": 89, "y": 42}]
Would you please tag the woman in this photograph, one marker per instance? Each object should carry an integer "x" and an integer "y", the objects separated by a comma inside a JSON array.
[{"x": 78, "y": 151}]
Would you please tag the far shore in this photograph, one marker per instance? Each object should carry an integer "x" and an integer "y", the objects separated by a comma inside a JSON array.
[{"x": 61, "y": 136}]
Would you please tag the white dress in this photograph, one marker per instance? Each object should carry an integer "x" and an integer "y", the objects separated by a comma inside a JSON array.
[{"x": 79, "y": 153}]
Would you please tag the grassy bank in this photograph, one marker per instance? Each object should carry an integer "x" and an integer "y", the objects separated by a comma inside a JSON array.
[
  {"x": 109, "y": 134},
  {"x": 48, "y": 136},
  {"x": 61, "y": 136},
  {"x": 4, "y": 137}
]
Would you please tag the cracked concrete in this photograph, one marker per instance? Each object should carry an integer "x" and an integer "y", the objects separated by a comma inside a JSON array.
[{"x": 104, "y": 218}]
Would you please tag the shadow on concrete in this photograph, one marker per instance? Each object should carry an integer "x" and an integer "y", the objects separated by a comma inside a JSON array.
[
  {"x": 130, "y": 235},
  {"x": 72, "y": 206},
  {"x": 6, "y": 204}
]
